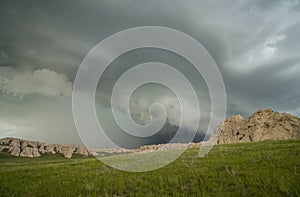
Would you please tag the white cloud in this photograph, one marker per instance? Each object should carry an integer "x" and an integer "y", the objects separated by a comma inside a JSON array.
[
  {"x": 43, "y": 81},
  {"x": 268, "y": 52},
  {"x": 274, "y": 39},
  {"x": 268, "y": 48},
  {"x": 261, "y": 53}
]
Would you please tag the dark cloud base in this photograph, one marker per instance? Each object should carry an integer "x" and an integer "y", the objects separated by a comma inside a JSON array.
[{"x": 255, "y": 44}]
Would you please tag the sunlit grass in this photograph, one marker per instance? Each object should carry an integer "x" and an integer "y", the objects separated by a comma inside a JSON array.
[{"x": 251, "y": 169}]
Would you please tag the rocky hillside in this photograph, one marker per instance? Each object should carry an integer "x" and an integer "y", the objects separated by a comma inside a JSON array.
[
  {"x": 264, "y": 124},
  {"x": 25, "y": 148}
]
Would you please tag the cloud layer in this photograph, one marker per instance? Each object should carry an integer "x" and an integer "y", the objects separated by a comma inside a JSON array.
[
  {"x": 41, "y": 81},
  {"x": 255, "y": 44}
]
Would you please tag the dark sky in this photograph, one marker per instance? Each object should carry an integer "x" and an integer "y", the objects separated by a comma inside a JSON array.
[{"x": 255, "y": 44}]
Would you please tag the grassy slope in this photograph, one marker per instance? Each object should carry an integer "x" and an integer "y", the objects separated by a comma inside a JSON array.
[{"x": 265, "y": 168}]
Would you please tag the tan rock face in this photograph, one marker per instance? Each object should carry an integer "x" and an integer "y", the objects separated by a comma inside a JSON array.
[
  {"x": 262, "y": 125},
  {"x": 30, "y": 152},
  {"x": 4, "y": 148},
  {"x": 26, "y": 148},
  {"x": 82, "y": 151},
  {"x": 15, "y": 151},
  {"x": 68, "y": 151},
  {"x": 5, "y": 141},
  {"x": 233, "y": 130},
  {"x": 50, "y": 148}
]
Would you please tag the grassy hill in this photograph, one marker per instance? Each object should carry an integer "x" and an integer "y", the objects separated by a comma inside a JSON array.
[{"x": 248, "y": 169}]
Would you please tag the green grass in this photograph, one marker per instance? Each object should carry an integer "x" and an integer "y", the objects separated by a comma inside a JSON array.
[{"x": 249, "y": 169}]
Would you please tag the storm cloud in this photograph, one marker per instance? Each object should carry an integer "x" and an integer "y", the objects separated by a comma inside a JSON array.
[{"x": 42, "y": 44}]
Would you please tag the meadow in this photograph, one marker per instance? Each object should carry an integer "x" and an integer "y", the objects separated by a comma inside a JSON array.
[{"x": 270, "y": 168}]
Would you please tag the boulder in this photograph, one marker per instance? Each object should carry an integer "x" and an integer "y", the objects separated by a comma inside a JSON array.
[
  {"x": 15, "y": 151},
  {"x": 26, "y": 152},
  {"x": 14, "y": 142},
  {"x": 42, "y": 148},
  {"x": 4, "y": 148},
  {"x": 35, "y": 152},
  {"x": 24, "y": 144},
  {"x": 50, "y": 149},
  {"x": 82, "y": 151},
  {"x": 68, "y": 151},
  {"x": 32, "y": 144},
  {"x": 30, "y": 152},
  {"x": 5, "y": 141}
]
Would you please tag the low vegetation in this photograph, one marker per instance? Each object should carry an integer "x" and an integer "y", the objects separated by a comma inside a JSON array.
[{"x": 248, "y": 169}]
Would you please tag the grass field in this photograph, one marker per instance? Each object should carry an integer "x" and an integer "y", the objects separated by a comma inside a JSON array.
[{"x": 248, "y": 169}]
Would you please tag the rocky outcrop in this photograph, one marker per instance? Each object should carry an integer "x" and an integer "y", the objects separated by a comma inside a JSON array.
[
  {"x": 147, "y": 148},
  {"x": 26, "y": 148},
  {"x": 264, "y": 124},
  {"x": 170, "y": 146}
]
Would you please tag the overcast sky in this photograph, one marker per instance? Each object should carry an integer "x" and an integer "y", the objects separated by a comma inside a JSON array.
[{"x": 255, "y": 44}]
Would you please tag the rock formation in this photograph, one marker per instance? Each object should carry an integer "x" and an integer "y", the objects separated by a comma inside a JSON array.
[
  {"x": 147, "y": 148},
  {"x": 264, "y": 124},
  {"x": 170, "y": 146},
  {"x": 26, "y": 148}
]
